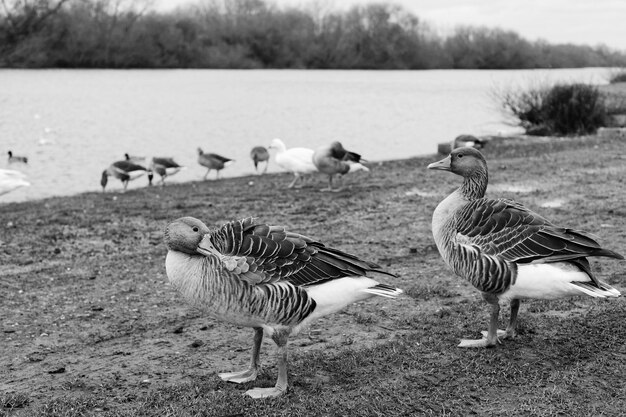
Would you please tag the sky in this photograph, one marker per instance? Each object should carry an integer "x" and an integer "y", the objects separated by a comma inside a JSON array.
[{"x": 582, "y": 22}]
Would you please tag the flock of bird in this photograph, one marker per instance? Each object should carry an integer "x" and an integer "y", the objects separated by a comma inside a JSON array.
[
  {"x": 330, "y": 159},
  {"x": 277, "y": 281}
]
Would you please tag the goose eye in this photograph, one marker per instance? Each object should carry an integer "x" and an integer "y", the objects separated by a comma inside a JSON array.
[
  {"x": 460, "y": 155},
  {"x": 195, "y": 229}
]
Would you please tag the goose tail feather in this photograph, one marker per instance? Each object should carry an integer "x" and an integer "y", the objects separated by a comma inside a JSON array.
[
  {"x": 604, "y": 290},
  {"x": 384, "y": 291}
]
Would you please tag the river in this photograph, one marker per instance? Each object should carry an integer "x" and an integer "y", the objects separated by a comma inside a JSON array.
[{"x": 71, "y": 124}]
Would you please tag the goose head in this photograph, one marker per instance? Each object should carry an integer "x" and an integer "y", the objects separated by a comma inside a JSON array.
[
  {"x": 466, "y": 162},
  {"x": 471, "y": 165},
  {"x": 185, "y": 234},
  {"x": 277, "y": 144}
]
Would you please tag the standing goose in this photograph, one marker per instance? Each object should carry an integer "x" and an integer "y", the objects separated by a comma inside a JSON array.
[
  {"x": 260, "y": 154},
  {"x": 213, "y": 161},
  {"x": 299, "y": 161},
  {"x": 164, "y": 167},
  {"x": 11, "y": 180},
  {"x": 255, "y": 275},
  {"x": 124, "y": 170},
  {"x": 15, "y": 158},
  {"x": 334, "y": 159},
  {"x": 507, "y": 251}
]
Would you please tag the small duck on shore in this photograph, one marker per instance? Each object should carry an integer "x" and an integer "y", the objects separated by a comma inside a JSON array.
[
  {"x": 17, "y": 159},
  {"x": 213, "y": 161},
  {"x": 263, "y": 276},
  {"x": 334, "y": 159},
  {"x": 508, "y": 252},
  {"x": 125, "y": 171},
  {"x": 165, "y": 167},
  {"x": 260, "y": 154}
]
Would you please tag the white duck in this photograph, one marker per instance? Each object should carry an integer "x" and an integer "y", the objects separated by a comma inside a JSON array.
[
  {"x": 255, "y": 275},
  {"x": 507, "y": 251},
  {"x": 299, "y": 161},
  {"x": 124, "y": 170},
  {"x": 334, "y": 159},
  {"x": 11, "y": 180}
]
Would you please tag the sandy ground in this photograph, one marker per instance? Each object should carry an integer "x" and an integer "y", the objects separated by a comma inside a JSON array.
[{"x": 86, "y": 308}]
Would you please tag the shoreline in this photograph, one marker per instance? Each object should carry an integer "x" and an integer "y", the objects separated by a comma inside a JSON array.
[{"x": 90, "y": 324}]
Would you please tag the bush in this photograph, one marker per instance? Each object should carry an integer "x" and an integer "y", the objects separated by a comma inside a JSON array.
[
  {"x": 618, "y": 77},
  {"x": 562, "y": 109}
]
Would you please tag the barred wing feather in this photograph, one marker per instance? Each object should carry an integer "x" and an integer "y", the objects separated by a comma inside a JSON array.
[{"x": 273, "y": 254}]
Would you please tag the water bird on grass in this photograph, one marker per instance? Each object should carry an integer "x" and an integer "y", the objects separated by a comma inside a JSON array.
[
  {"x": 507, "y": 251},
  {"x": 299, "y": 161},
  {"x": 125, "y": 171},
  {"x": 255, "y": 275},
  {"x": 333, "y": 160},
  {"x": 260, "y": 154},
  {"x": 468, "y": 141},
  {"x": 17, "y": 159},
  {"x": 11, "y": 180},
  {"x": 165, "y": 167},
  {"x": 134, "y": 158},
  {"x": 213, "y": 161}
]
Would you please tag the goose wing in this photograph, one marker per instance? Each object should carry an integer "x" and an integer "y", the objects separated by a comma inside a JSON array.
[
  {"x": 265, "y": 254},
  {"x": 125, "y": 166},
  {"x": 512, "y": 232},
  {"x": 165, "y": 162}
]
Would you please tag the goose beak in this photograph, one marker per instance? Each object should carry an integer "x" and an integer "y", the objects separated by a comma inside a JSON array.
[
  {"x": 443, "y": 165},
  {"x": 205, "y": 246}
]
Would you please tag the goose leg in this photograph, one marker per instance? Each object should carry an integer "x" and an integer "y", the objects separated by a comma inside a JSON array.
[
  {"x": 281, "y": 382},
  {"x": 510, "y": 330},
  {"x": 293, "y": 182},
  {"x": 207, "y": 173},
  {"x": 266, "y": 164},
  {"x": 330, "y": 184},
  {"x": 491, "y": 338},
  {"x": 250, "y": 373}
]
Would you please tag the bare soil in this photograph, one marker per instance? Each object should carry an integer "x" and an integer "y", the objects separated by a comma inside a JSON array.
[{"x": 86, "y": 310}]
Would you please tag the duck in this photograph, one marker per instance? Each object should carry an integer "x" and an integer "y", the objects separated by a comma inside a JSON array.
[
  {"x": 11, "y": 180},
  {"x": 469, "y": 141},
  {"x": 164, "y": 167},
  {"x": 276, "y": 281},
  {"x": 17, "y": 159},
  {"x": 507, "y": 251},
  {"x": 260, "y": 154},
  {"x": 213, "y": 161},
  {"x": 124, "y": 170},
  {"x": 134, "y": 158},
  {"x": 334, "y": 159},
  {"x": 298, "y": 161}
]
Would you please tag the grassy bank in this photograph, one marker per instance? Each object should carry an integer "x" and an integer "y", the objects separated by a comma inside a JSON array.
[{"x": 90, "y": 326}]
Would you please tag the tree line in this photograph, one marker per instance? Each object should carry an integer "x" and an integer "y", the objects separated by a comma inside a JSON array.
[{"x": 258, "y": 34}]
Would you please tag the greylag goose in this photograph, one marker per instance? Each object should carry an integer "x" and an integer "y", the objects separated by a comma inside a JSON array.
[
  {"x": 334, "y": 159},
  {"x": 265, "y": 277},
  {"x": 213, "y": 161},
  {"x": 11, "y": 180},
  {"x": 124, "y": 170},
  {"x": 134, "y": 158},
  {"x": 18, "y": 159},
  {"x": 507, "y": 251},
  {"x": 260, "y": 154},
  {"x": 299, "y": 161},
  {"x": 165, "y": 167},
  {"x": 469, "y": 141}
]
